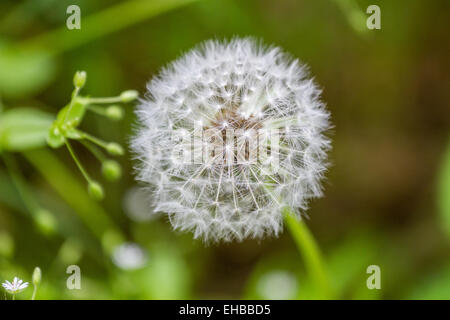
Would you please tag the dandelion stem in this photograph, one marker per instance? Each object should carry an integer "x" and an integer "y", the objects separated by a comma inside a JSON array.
[{"x": 309, "y": 250}]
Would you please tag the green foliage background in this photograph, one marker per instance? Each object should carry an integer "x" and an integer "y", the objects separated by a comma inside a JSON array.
[{"x": 387, "y": 194}]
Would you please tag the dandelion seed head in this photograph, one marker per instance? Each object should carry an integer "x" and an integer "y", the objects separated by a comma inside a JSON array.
[{"x": 251, "y": 89}]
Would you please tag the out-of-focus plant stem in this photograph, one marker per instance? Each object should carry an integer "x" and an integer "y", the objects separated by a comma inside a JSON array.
[
  {"x": 100, "y": 24},
  {"x": 33, "y": 297},
  {"x": 308, "y": 248},
  {"x": 310, "y": 252},
  {"x": 20, "y": 184},
  {"x": 443, "y": 193},
  {"x": 74, "y": 193},
  {"x": 354, "y": 14}
]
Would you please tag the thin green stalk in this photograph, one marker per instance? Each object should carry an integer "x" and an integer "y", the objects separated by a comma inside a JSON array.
[
  {"x": 33, "y": 297},
  {"x": 94, "y": 150},
  {"x": 102, "y": 23},
  {"x": 443, "y": 200},
  {"x": 94, "y": 140},
  {"x": 30, "y": 204},
  {"x": 310, "y": 252},
  {"x": 355, "y": 15},
  {"x": 96, "y": 109},
  {"x": 79, "y": 165},
  {"x": 100, "y": 100}
]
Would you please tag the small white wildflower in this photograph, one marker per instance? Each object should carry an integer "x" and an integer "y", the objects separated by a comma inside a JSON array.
[
  {"x": 16, "y": 286},
  {"x": 228, "y": 196},
  {"x": 129, "y": 256}
]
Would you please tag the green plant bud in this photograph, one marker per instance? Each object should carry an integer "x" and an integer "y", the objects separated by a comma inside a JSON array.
[
  {"x": 111, "y": 170},
  {"x": 37, "y": 276},
  {"x": 128, "y": 95},
  {"x": 79, "y": 79},
  {"x": 114, "y": 112},
  {"x": 114, "y": 149},
  {"x": 95, "y": 190}
]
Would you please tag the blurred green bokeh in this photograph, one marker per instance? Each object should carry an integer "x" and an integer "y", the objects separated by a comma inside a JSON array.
[{"x": 387, "y": 197}]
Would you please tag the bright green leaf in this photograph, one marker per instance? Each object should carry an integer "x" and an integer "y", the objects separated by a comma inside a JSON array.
[{"x": 23, "y": 129}]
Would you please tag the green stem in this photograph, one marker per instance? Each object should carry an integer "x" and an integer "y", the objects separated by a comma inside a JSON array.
[
  {"x": 94, "y": 150},
  {"x": 30, "y": 203},
  {"x": 96, "y": 109},
  {"x": 34, "y": 292},
  {"x": 72, "y": 101},
  {"x": 79, "y": 165},
  {"x": 105, "y": 100},
  {"x": 354, "y": 14},
  {"x": 94, "y": 140},
  {"x": 310, "y": 252},
  {"x": 307, "y": 247},
  {"x": 102, "y": 23}
]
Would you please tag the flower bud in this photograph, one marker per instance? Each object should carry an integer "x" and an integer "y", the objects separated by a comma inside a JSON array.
[
  {"x": 111, "y": 170},
  {"x": 128, "y": 95},
  {"x": 79, "y": 79},
  {"x": 95, "y": 190},
  {"x": 114, "y": 149},
  {"x": 37, "y": 276},
  {"x": 114, "y": 112}
]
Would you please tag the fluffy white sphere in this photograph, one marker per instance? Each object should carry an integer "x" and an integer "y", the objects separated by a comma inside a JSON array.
[{"x": 231, "y": 186}]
